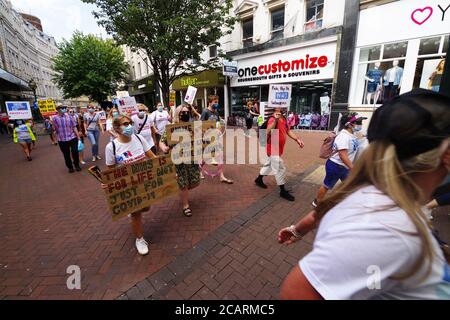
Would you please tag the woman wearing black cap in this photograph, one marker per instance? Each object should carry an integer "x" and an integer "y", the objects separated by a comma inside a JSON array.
[{"x": 374, "y": 240}]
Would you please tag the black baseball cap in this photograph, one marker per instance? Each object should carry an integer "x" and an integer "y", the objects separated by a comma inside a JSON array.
[{"x": 415, "y": 122}]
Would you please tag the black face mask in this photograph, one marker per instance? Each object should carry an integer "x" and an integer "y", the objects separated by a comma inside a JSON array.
[{"x": 185, "y": 116}]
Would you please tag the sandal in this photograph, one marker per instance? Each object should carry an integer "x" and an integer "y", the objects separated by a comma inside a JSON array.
[
  {"x": 227, "y": 181},
  {"x": 187, "y": 212}
]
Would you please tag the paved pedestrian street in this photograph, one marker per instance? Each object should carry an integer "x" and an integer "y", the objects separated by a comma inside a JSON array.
[{"x": 50, "y": 220}]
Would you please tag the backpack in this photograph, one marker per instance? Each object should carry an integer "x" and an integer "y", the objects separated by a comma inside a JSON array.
[{"x": 326, "y": 151}]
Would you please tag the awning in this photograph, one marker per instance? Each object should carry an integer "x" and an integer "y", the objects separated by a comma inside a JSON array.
[
  {"x": 142, "y": 86},
  {"x": 14, "y": 81},
  {"x": 204, "y": 79}
]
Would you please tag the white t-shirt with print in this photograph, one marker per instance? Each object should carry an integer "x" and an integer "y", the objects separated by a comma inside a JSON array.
[
  {"x": 126, "y": 153},
  {"x": 146, "y": 130},
  {"x": 161, "y": 120},
  {"x": 367, "y": 237},
  {"x": 345, "y": 141}
]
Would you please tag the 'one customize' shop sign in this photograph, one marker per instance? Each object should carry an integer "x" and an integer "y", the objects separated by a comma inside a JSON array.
[{"x": 295, "y": 65}]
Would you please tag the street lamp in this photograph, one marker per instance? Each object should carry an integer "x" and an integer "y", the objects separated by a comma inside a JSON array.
[{"x": 33, "y": 86}]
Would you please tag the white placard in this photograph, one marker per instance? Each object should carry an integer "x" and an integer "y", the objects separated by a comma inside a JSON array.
[
  {"x": 300, "y": 64},
  {"x": 280, "y": 96},
  {"x": 122, "y": 94},
  {"x": 190, "y": 95},
  {"x": 18, "y": 110},
  {"x": 403, "y": 20},
  {"x": 128, "y": 105}
]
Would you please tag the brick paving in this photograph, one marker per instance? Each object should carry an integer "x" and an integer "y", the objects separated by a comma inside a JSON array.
[{"x": 50, "y": 220}]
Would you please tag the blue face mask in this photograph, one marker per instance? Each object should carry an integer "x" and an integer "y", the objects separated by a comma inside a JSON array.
[
  {"x": 115, "y": 114},
  {"x": 19, "y": 122},
  {"x": 91, "y": 110},
  {"x": 63, "y": 111},
  {"x": 128, "y": 131},
  {"x": 216, "y": 106}
]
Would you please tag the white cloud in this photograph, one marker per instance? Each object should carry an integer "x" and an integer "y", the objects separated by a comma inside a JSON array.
[{"x": 60, "y": 18}]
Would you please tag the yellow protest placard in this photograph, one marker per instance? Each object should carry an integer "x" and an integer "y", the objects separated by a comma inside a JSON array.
[
  {"x": 136, "y": 186},
  {"x": 47, "y": 107}
]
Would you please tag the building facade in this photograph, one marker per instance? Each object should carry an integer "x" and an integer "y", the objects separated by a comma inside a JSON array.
[
  {"x": 26, "y": 57},
  {"x": 400, "y": 46}
]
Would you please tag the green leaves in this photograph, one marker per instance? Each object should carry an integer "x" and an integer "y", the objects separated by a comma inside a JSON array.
[{"x": 87, "y": 65}]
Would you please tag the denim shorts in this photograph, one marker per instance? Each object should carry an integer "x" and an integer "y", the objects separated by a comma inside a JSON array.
[
  {"x": 27, "y": 141},
  {"x": 335, "y": 172}
]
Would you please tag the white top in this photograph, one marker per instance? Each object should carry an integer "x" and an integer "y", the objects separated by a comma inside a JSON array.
[
  {"x": 361, "y": 244},
  {"x": 126, "y": 153},
  {"x": 146, "y": 129},
  {"x": 109, "y": 127},
  {"x": 344, "y": 141},
  {"x": 161, "y": 120},
  {"x": 392, "y": 74}
]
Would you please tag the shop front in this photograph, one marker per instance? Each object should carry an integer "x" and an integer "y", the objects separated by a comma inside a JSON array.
[
  {"x": 308, "y": 67},
  {"x": 401, "y": 46},
  {"x": 208, "y": 82},
  {"x": 145, "y": 92}
]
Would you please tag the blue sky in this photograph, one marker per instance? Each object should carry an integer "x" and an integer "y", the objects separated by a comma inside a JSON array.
[{"x": 60, "y": 18}]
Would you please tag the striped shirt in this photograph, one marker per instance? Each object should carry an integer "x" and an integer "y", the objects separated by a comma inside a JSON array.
[{"x": 64, "y": 126}]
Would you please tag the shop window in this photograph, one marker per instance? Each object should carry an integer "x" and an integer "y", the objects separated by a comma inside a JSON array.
[
  {"x": 445, "y": 47},
  {"x": 395, "y": 50},
  {"x": 370, "y": 54},
  {"x": 277, "y": 17},
  {"x": 314, "y": 15},
  {"x": 247, "y": 32},
  {"x": 429, "y": 46}
]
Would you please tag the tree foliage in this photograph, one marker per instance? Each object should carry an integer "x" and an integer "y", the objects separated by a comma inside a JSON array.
[
  {"x": 171, "y": 32},
  {"x": 90, "y": 66}
]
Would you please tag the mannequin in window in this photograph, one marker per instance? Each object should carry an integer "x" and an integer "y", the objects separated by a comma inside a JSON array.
[
  {"x": 434, "y": 82},
  {"x": 375, "y": 81},
  {"x": 392, "y": 81},
  {"x": 325, "y": 103}
]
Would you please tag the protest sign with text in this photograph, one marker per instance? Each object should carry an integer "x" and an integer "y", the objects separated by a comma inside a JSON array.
[
  {"x": 136, "y": 186},
  {"x": 47, "y": 107},
  {"x": 128, "y": 105},
  {"x": 18, "y": 110}
]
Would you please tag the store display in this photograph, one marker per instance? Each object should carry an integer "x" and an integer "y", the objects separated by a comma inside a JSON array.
[{"x": 392, "y": 81}]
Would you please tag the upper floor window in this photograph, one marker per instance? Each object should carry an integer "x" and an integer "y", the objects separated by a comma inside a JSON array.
[
  {"x": 146, "y": 66},
  {"x": 247, "y": 32},
  {"x": 212, "y": 51},
  {"x": 277, "y": 17},
  {"x": 314, "y": 15}
]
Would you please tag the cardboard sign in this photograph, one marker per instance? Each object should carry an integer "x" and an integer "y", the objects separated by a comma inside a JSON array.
[
  {"x": 198, "y": 144},
  {"x": 172, "y": 98},
  {"x": 136, "y": 186},
  {"x": 18, "y": 110},
  {"x": 128, "y": 105},
  {"x": 47, "y": 107},
  {"x": 280, "y": 96},
  {"x": 190, "y": 95}
]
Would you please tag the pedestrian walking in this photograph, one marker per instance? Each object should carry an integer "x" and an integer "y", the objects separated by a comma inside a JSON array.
[
  {"x": 251, "y": 113},
  {"x": 374, "y": 240},
  {"x": 48, "y": 125},
  {"x": 160, "y": 118},
  {"x": 143, "y": 125},
  {"x": 345, "y": 149},
  {"x": 211, "y": 114},
  {"x": 128, "y": 148},
  {"x": 67, "y": 134},
  {"x": 24, "y": 136},
  {"x": 188, "y": 174},
  {"x": 82, "y": 133},
  {"x": 113, "y": 113},
  {"x": 93, "y": 128},
  {"x": 275, "y": 148}
]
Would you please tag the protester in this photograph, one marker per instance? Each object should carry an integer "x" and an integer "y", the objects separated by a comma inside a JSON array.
[
  {"x": 345, "y": 149},
  {"x": 143, "y": 125},
  {"x": 65, "y": 127},
  {"x": 374, "y": 223},
  {"x": 128, "y": 148},
  {"x": 93, "y": 128},
  {"x": 24, "y": 136},
  {"x": 160, "y": 119},
  {"x": 48, "y": 125},
  {"x": 82, "y": 133},
  {"x": 113, "y": 113},
  {"x": 211, "y": 114},
  {"x": 291, "y": 120},
  {"x": 275, "y": 149},
  {"x": 188, "y": 174}
]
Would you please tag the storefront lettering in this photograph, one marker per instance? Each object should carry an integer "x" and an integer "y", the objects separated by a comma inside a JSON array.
[
  {"x": 443, "y": 11},
  {"x": 421, "y": 15},
  {"x": 285, "y": 66},
  {"x": 189, "y": 82}
]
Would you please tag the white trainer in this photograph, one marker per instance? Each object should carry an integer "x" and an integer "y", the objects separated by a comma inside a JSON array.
[
  {"x": 94, "y": 159},
  {"x": 99, "y": 158},
  {"x": 142, "y": 246}
]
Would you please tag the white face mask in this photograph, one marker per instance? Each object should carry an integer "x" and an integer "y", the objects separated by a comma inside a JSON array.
[{"x": 357, "y": 128}]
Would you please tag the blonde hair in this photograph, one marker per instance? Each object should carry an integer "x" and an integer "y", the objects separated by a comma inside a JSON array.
[
  {"x": 178, "y": 111},
  {"x": 117, "y": 121},
  {"x": 379, "y": 166},
  {"x": 110, "y": 114}
]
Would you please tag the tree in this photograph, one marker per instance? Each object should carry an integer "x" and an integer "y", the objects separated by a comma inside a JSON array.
[
  {"x": 90, "y": 66},
  {"x": 170, "y": 32}
]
